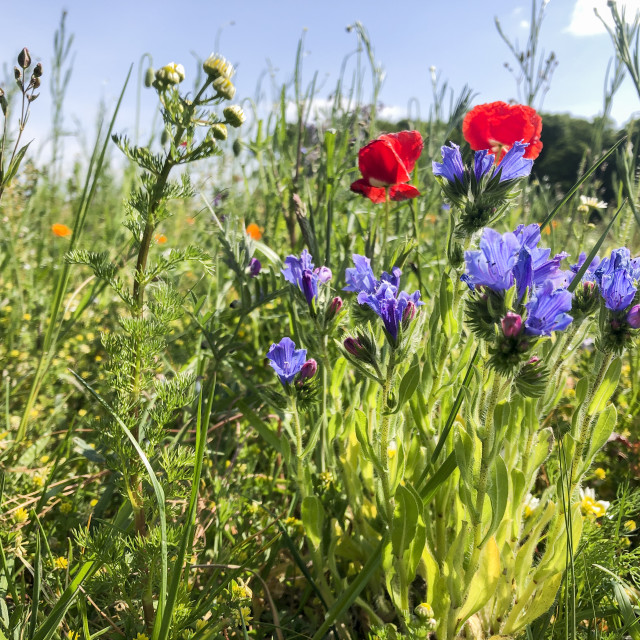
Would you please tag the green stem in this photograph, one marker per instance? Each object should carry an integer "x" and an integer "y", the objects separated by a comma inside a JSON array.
[
  {"x": 384, "y": 437},
  {"x": 585, "y": 420},
  {"x": 488, "y": 439},
  {"x": 385, "y": 230}
]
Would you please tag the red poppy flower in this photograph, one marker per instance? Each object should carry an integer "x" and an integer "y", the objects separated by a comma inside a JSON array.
[
  {"x": 386, "y": 163},
  {"x": 497, "y": 125}
]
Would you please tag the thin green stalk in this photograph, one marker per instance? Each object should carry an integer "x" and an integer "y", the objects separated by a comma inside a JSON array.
[{"x": 384, "y": 436}]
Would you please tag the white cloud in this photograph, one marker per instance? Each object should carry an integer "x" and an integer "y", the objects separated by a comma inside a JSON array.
[{"x": 584, "y": 21}]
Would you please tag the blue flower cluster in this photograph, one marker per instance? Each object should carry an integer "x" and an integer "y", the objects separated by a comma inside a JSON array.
[
  {"x": 616, "y": 277},
  {"x": 395, "y": 308},
  {"x": 512, "y": 166},
  {"x": 514, "y": 258},
  {"x": 286, "y": 360},
  {"x": 300, "y": 272}
]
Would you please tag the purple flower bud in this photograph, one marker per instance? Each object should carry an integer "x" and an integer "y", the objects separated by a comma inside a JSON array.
[
  {"x": 633, "y": 317},
  {"x": 324, "y": 274},
  {"x": 534, "y": 360},
  {"x": 511, "y": 324},
  {"x": 615, "y": 325},
  {"x": 354, "y": 347},
  {"x": 308, "y": 370},
  {"x": 334, "y": 308},
  {"x": 254, "y": 267},
  {"x": 409, "y": 312}
]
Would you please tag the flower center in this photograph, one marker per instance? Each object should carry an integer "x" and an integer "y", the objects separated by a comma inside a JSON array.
[{"x": 374, "y": 182}]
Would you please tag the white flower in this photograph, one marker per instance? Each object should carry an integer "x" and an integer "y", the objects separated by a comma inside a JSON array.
[
  {"x": 592, "y": 203},
  {"x": 590, "y": 506},
  {"x": 530, "y": 505}
]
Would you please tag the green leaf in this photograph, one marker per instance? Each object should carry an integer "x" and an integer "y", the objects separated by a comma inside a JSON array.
[
  {"x": 498, "y": 494},
  {"x": 443, "y": 472},
  {"x": 601, "y": 432},
  {"x": 348, "y": 597},
  {"x": 605, "y": 390},
  {"x": 266, "y": 433},
  {"x": 313, "y": 519},
  {"x": 456, "y": 407},
  {"x": 405, "y": 519},
  {"x": 14, "y": 166},
  {"x": 449, "y": 323},
  {"x": 408, "y": 386}
]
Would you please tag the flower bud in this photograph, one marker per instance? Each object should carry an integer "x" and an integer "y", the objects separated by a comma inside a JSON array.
[
  {"x": 37, "y": 70},
  {"x": 409, "y": 313},
  {"x": 225, "y": 89},
  {"x": 511, "y": 324},
  {"x": 17, "y": 74},
  {"x": 254, "y": 267},
  {"x": 424, "y": 610},
  {"x": 308, "y": 370},
  {"x": 219, "y": 131},
  {"x": 237, "y": 147},
  {"x": 355, "y": 348},
  {"x": 633, "y": 317},
  {"x": 334, "y": 308},
  {"x": 149, "y": 76},
  {"x": 170, "y": 74},
  {"x": 164, "y": 137},
  {"x": 324, "y": 274},
  {"x": 234, "y": 115},
  {"x": 24, "y": 59},
  {"x": 35, "y": 83},
  {"x": 215, "y": 66}
]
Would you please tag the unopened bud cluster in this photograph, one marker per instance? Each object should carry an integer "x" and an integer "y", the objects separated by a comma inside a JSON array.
[{"x": 19, "y": 72}]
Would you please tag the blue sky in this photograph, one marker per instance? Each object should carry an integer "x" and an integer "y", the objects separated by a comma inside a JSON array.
[{"x": 458, "y": 37}]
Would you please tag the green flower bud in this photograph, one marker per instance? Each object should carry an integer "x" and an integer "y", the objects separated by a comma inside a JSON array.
[
  {"x": 234, "y": 115},
  {"x": 164, "y": 137},
  {"x": 170, "y": 74},
  {"x": 215, "y": 66},
  {"x": 237, "y": 147},
  {"x": 224, "y": 87},
  {"x": 148, "y": 77},
  {"x": 219, "y": 131}
]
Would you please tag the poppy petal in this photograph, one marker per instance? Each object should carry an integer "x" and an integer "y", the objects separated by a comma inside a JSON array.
[
  {"x": 375, "y": 194},
  {"x": 400, "y": 192},
  {"x": 497, "y": 125},
  {"x": 408, "y": 145},
  {"x": 380, "y": 162}
]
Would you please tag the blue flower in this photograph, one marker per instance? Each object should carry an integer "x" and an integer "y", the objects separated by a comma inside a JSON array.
[
  {"x": 492, "y": 265},
  {"x": 513, "y": 258},
  {"x": 482, "y": 163},
  {"x": 513, "y": 165},
  {"x": 286, "y": 360},
  {"x": 300, "y": 272},
  {"x": 618, "y": 289},
  {"x": 361, "y": 278},
  {"x": 590, "y": 273},
  {"x": 393, "y": 308},
  {"x": 451, "y": 167},
  {"x": 546, "y": 312}
]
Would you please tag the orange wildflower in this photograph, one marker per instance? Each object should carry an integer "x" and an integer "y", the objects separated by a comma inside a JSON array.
[
  {"x": 160, "y": 238},
  {"x": 190, "y": 221},
  {"x": 61, "y": 230},
  {"x": 254, "y": 231}
]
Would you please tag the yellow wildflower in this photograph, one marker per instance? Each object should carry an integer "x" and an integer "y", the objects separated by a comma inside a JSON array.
[
  {"x": 60, "y": 563},
  {"x": 21, "y": 515}
]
